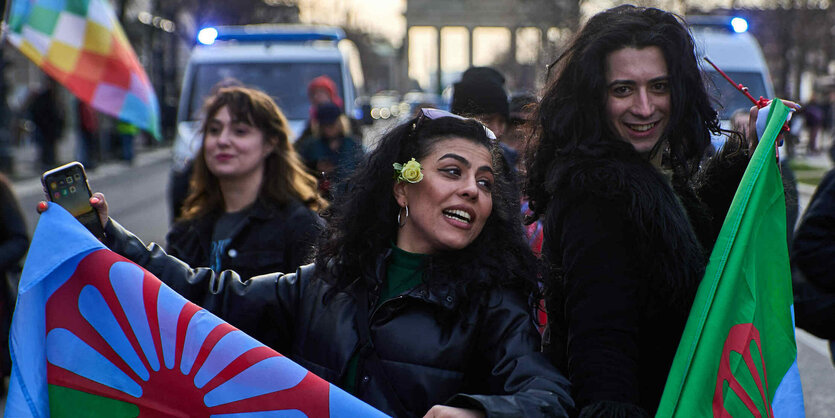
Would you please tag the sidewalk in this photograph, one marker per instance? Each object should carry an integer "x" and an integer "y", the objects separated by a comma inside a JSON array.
[
  {"x": 27, "y": 173},
  {"x": 820, "y": 160}
]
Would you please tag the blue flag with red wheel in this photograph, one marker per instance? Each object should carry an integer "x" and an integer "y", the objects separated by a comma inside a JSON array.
[{"x": 95, "y": 332}]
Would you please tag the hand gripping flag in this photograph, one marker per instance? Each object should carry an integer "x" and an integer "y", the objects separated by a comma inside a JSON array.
[
  {"x": 80, "y": 44},
  {"x": 737, "y": 356},
  {"x": 95, "y": 333}
]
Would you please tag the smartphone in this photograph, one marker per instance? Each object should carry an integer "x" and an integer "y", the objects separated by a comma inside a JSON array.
[{"x": 67, "y": 186}]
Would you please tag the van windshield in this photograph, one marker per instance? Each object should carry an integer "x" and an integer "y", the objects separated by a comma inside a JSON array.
[
  {"x": 728, "y": 98},
  {"x": 285, "y": 82}
]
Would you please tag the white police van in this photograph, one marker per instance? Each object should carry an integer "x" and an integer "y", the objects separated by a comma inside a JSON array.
[
  {"x": 281, "y": 60},
  {"x": 725, "y": 40}
]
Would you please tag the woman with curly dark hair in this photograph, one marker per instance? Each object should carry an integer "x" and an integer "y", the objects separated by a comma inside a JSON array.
[
  {"x": 630, "y": 209},
  {"x": 252, "y": 205},
  {"x": 421, "y": 295}
]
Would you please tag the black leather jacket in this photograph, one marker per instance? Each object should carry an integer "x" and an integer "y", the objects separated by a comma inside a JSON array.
[
  {"x": 484, "y": 358},
  {"x": 271, "y": 238}
]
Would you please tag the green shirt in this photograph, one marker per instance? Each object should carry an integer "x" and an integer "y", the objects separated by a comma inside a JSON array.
[{"x": 403, "y": 273}]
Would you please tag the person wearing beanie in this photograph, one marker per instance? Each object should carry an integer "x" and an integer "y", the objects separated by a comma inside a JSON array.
[
  {"x": 320, "y": 90},
  {"x": 481, "y": 95},
  {"x": 331, "y": 153}
]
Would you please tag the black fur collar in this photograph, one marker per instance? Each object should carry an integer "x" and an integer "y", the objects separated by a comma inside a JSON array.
[{"x": 659, "y": 210}]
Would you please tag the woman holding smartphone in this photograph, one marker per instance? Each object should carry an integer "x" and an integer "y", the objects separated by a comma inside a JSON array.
[
  {"x": 420, "y": 298},
  {"x": 252, "y": 207}
]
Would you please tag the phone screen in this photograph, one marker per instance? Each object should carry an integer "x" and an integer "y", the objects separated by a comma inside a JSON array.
[{"x": 67, "y": 186}]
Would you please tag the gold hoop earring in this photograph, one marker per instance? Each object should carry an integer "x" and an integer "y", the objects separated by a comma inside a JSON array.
[{"x": 403, "y": 223}]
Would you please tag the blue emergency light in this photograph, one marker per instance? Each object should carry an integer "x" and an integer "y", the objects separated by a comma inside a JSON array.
[
  {"x": 207, "y": 36},
  {"x": 269, "y": 33},
  {"x": 739, "y": 24}
]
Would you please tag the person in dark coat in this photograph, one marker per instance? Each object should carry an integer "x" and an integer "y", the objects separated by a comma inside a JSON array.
[
  {"x": 13, "y": 245},
  {"x": 420, "y": 297},
  {"x": 333, "y": 153},
  {"x": 252, "y": 206},
  {"x": 88, "y": 131},
  {"x": 48, "y": 117},
  {"x": 630, "y": 213},
  {"x": 813, "y": 254}
]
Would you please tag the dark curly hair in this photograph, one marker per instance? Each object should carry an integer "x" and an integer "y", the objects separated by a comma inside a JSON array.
[
  {"x": 569, "y": 118},
  {"x": 362, "y": 222}
]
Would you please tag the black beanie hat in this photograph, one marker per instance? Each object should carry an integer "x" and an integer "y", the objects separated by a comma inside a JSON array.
[
  {"x": 483, "y": 74},
  {"x": 480, "y": 92},
  {"x": 327, "y": 113}
]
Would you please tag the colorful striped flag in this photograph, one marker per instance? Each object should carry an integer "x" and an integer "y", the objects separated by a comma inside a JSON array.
[
  {"x": 80, "y": 44},
  {"x": 738, "y": 355},
  {"x": 96, "y": 333}
]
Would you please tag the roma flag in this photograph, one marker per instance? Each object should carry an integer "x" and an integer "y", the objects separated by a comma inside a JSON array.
[
  {"x": 738, "y": 356},
  {"x": 96, "y": 333},
  {"x": 80, "y": 44}
]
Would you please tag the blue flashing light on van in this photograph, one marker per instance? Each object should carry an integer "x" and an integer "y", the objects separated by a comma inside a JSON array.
[
  {"x": 739, "y": 24},
  {"x": 269, "y": 33},
  {"x": 207, "y": 36}
]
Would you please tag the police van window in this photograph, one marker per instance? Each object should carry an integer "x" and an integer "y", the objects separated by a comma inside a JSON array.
[
  {"x": 285, "y": 82},
  {"x": 728, "y": 97}
]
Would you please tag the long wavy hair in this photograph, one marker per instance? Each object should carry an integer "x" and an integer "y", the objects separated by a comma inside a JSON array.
[
  {"x": 570, "y": 118},
  {"x": 285, "y": 178},
  {"x": 362, "y": 223}
]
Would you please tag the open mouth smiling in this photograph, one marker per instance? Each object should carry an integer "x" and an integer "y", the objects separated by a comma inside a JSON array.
[
  {"x": 458, "y": 215},
  {"x": 641, "y": 127}
]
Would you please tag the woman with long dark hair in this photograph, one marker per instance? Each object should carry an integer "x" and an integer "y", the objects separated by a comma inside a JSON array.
[
  {"x": 630, "y": 209},
  {"x": 420, "y": 300}
]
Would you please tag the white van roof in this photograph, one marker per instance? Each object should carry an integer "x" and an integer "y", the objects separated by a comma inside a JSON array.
[
  {"x": 731, "y": 51},
  {"x": 265, "y": 52}
]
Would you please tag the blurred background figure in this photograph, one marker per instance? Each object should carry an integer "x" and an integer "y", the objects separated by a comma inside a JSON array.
[
  {"x": 252, "y": 207},
  {"x": 813, "y": 115},
  {"x": 321, "y": 90},
  {"x": 13, "y": 245},
  {"x": 48, "y": 117},
  {"x": 126, "y": 134},
  {"x": 88, "y": 131},
  {"x": 520, "y": 113},
  {"x": 332, "y": 152},
  {"x": 481, "y": 95}
]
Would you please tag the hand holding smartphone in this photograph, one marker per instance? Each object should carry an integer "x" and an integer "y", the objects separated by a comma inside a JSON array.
[{"x": 67, "y": 186}]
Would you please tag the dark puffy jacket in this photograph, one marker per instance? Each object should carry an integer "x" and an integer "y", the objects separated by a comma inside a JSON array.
[
  {"x": 485, "y": 358},
  {"x": 271, "y": 238},
  {"x": 814, "y": 255}
]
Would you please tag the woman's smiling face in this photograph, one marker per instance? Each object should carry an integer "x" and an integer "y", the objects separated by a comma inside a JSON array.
[
  {"x": 234, "y": 149},
  {"x": 449, "y": 207}
]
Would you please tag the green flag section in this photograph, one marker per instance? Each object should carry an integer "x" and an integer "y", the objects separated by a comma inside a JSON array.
[
  {"x": 66, "y": 402},
  {"x": 737, "y": 355}
]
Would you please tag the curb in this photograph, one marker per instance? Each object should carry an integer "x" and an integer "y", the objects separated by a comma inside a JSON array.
[{"x": 29, "y": 186}]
